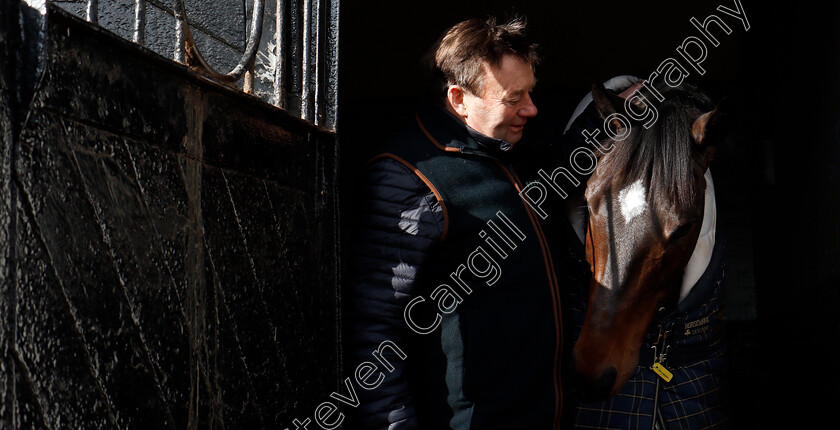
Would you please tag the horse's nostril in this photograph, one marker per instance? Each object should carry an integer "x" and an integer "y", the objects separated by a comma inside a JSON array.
[
  {"x": 591, "y": 390},
  {"x": 605, "y": 382}
]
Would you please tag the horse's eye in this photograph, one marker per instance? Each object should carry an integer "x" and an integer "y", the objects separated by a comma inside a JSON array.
[{"x": 681, "y": 231}]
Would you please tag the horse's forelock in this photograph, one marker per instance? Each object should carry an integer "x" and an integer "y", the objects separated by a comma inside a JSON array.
[{"x": 662, "y": 155}]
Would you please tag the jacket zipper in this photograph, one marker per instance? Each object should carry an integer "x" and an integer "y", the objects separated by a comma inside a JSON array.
[
  {"x": 549, "y": 265},
  {"x": 553, "y": 287}
]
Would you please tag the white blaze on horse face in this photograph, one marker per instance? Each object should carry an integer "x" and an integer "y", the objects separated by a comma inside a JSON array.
[{"x": 632, "y": 201}]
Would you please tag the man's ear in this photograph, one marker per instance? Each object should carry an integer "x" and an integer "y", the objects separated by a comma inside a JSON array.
[{"x": 455, "y": 96}]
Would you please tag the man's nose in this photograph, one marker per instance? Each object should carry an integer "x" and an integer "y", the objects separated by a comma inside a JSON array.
[{"x": 529, "y": 109}]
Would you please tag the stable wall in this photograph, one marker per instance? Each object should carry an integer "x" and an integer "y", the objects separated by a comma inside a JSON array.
[{"x": 168, "y": 244}]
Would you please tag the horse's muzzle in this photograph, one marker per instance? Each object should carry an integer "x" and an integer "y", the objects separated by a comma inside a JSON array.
[{"x": 590, "y": 389}]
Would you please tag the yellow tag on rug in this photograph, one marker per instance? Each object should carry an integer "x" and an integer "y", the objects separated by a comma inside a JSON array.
[{"x": 662, "y": 372}]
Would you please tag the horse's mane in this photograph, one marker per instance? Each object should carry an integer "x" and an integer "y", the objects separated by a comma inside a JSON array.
[{"x": 662, "y": 155}]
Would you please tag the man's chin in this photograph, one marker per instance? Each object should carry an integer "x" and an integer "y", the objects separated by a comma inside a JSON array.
[{"x": 513, "y": 137}]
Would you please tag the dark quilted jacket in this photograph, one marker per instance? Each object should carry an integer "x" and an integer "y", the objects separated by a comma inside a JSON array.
[
  {"x": 384, "y": 264},
  {"x": 504, "y": 370}
]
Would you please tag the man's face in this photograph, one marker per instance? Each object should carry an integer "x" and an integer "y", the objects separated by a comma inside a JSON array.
[{"x": 504, "y": 108}]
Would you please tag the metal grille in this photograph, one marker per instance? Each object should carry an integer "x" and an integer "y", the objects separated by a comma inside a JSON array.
[{"x": 282, "y": 51}]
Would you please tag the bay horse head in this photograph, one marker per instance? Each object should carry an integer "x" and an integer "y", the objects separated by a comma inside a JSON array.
[{"x": 646, "y": 205}]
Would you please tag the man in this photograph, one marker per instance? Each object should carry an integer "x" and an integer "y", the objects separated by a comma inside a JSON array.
[{"x": 452, "y": 295}]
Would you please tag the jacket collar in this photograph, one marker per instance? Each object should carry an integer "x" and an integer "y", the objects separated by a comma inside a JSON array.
[{"x": 450, "y": 134}]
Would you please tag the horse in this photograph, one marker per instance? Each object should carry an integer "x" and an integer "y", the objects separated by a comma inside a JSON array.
[{"x": 650, "y": 209}]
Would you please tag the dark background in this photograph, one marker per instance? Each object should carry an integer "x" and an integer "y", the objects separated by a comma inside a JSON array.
[{"x": 776, "y": 176}]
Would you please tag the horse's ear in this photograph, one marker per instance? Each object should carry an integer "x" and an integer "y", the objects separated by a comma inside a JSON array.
[
  {"x": 606, "y": 103},
  {"x": 603, "y": 104},
  {"x": 711, "y": 128}
]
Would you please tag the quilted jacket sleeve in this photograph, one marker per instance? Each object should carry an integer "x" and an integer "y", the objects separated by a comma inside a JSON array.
[{"x": 398, "y": 223}]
